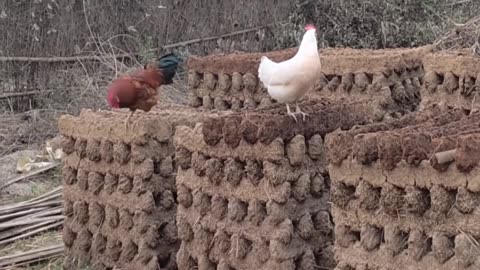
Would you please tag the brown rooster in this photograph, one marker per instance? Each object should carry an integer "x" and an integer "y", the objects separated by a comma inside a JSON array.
[{"x": 139, "y": 89}]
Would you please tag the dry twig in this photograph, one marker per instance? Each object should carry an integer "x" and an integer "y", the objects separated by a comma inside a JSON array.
[
  {"x": 127, "y": 56},
  {"x": 461, "y": 36}
]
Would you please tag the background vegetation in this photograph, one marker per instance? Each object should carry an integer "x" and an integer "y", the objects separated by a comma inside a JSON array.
[{"x": 57, "y": 56}]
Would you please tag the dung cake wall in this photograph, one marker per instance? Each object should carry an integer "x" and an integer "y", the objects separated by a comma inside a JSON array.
[
  {"x": 119, "y": 188},
  {"x": 453, "y": 79},
  {"x": 253, "y": 189},
  {"x": 392, "y": 77},
  {"x": 406, "y": 194}
]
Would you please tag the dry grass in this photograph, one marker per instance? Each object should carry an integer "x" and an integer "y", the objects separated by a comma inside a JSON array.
[
  {"x": 26, "y": 130},
  {"x": 461, "y": 36},
  {"x": 383, "y": 23},
  {"x": 38, "y": 185},
  {"x": 80, "y": 85}
]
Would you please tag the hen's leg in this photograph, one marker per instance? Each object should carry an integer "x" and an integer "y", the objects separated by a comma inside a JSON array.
[
  {"x": 290, "y": 113},
  {"x": 126, "y": 121},
  {"x": 297, "y": 110}
]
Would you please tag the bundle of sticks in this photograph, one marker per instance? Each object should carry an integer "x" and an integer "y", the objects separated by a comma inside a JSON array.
[{"x": 29, "y": 218}]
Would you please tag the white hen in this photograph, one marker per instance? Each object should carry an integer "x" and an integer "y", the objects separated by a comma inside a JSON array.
[{"x": 289, "y": 80}]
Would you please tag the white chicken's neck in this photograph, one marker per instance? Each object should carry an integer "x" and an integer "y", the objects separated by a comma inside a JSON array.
[{"x": 308, "y": 44}]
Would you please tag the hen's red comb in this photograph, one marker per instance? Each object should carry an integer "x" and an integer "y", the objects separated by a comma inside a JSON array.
[{"x": 310, "y": 27}]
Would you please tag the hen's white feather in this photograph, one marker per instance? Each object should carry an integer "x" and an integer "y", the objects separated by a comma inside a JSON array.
[
  {"x": 289, "y": 80},
  {"x": 266, "y": 70}
]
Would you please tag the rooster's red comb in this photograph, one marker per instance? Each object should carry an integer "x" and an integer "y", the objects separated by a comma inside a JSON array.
[{"x": 310, "y": 27}]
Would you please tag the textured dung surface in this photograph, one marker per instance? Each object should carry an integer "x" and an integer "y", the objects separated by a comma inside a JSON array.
[
  {"x": 119, "y": 189},
  {"x": 453, "y": 79},
  {"x": 157, "y": 124},
  {"x": 385, "y": 186},
  {"x": 428, "y": 222},
  {"x": 391, "y": 77},
  {"x": 253, "y": 191},
  {"x": 356, "y": 257},
  {"x": 266, "y": 125},
  {"x": 340, "y": 143},
  {"x": 360, "y": 60},
  {"x": 235, "y": 62},
  {"x": 388, "y": 145}
]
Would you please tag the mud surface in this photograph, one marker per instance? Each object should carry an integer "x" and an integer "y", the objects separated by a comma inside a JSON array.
[{"x": 119, "y": 188}]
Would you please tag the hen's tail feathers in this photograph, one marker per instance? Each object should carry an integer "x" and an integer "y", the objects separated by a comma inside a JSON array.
[
  {"x": 168, "y": 64},
  {"x": 266, "y": 70}
]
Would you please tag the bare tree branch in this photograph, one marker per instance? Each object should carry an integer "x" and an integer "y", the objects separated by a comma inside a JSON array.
[{"x": 124, "y": 56}]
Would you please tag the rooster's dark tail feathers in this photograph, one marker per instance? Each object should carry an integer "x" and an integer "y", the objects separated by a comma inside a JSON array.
[{"x": 168, "y": 64}]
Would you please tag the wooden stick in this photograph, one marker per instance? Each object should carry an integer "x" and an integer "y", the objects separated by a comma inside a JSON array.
[
  {"x": 123, "y": 56},
  {"x": 30, "y": 233},
  {"x": 26, "y": 175},
  {"x": 55, "y": 191},
  {"x": 21, "y": 94},
  {"x": 21, "y": 229},
  {"x": 21, "y": 213},
  {"x": 47, "y": 201},
  {"x": 56, "y": 59},
  {"x": 18, "y": 206},
  {"x": 55, "y": 197},
  {"x": 34, "y": 260},
  {"x": 7, "y": 225},
  {"x": 30, "y": 255},
  {"x": 34, "y": 251},
  {"x": 198, "y": 40},
  {"x": 444, "y": 157},
  {"x": 51, "y": 211},
  {"x": 45, "y": 213},
  {"x": 51, "y": 197},
  {"x": 11, "y": 209},
  {"x": 23, "y": 205}
]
